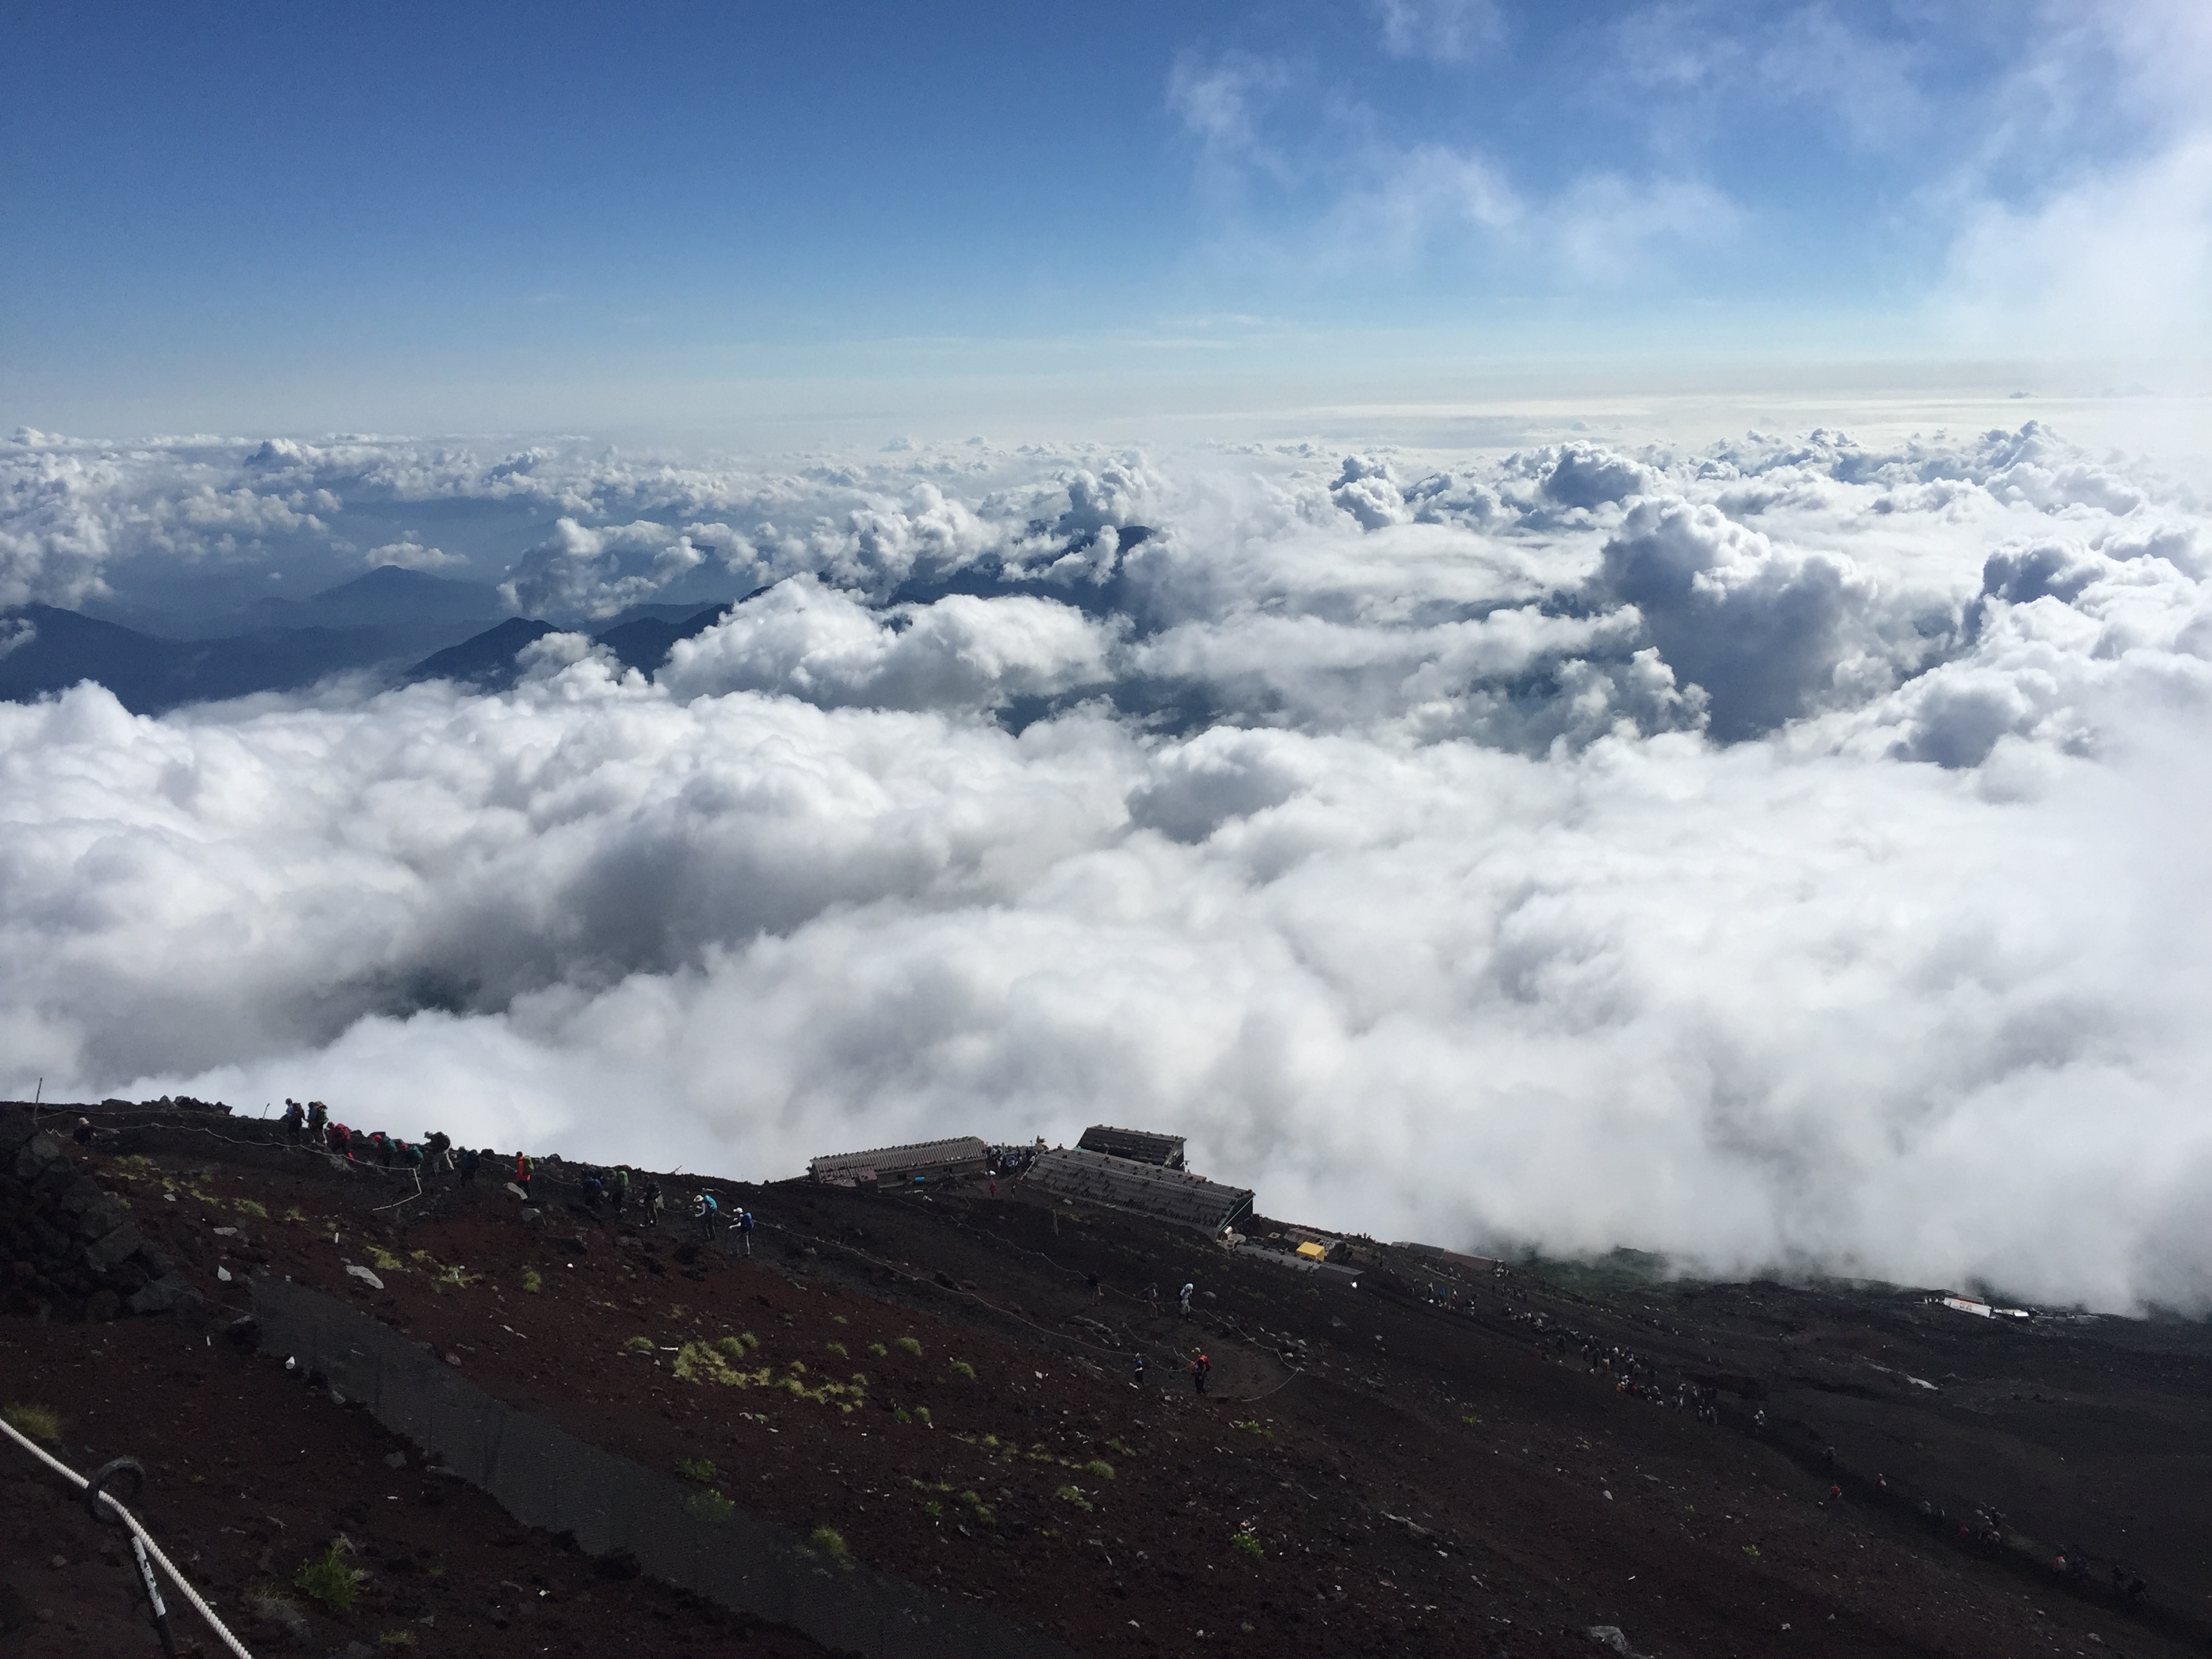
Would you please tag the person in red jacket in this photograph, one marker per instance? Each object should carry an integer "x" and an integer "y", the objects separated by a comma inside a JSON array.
[{"x": 522, "y": 1172}]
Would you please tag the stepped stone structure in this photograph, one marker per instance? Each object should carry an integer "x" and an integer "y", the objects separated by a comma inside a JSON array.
[{"x": 67, "y": 1245}]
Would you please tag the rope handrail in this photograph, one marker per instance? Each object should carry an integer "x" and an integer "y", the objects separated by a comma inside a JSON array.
[{"x": 137, "y": 1531}]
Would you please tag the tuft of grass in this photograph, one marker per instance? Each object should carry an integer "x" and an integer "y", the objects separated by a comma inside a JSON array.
[
  {"x": 934, "y": 1509},
  {"x": 531, "y": 1281},
  {"x": 384, "y": 1262},
  {"x": 247, "y": 1206},
  {"x": 1251, "y": 1425},
  {"x": 960, "y": 1368},
  {"x": 879, "y": 1351},
  {"x": 700, "y": 1469},
  {"x": 1248, "y": 1543},
  {"x": 638, "y": 1345},
  {"x": 297, "y": 1216},
  {"x": 921, "y": 1416},
  {"x": 328, "y": 1580},
  {"x": 396, "y": 1639},
  {"x": 1099, "y": 1468},
  {"x": 907, "y": 1344},
  {"x": 828, "y": 1541},
  {"x": 33, "y": 1422},
  {"x": 977, "y": 1507},
  {"x": 901, "y": 1412},
  {"x": 697, "y": 1363},
  {"x": 837, "y": 1348},
  {"x": 860, "y": 1379},
  {"x": 1071, "y": 1495},
  {"x": 279, "y": 1609},
  {"x": 710, "y": 1506},
  {"x": 796, "y": 1368},
  {"x": 839, "y": 1319}
]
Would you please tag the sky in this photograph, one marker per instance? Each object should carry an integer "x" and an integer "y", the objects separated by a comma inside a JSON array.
[
  {"x": 1543, "y": 626},
  {"x": 669, "y": 217}
]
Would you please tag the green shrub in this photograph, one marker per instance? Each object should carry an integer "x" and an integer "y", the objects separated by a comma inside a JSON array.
[
  {"x": 697, "y": 1363},
  {"x": 396, "y": 1638},
  {"x": 837, "y": 1348},
  {"x": 639, "y": 1344},
  {"x": 531, "y": 1281},
  {"x": 860, "y": 1379},
  {"x": 921, "y": 1416},
  {"x": 1100, "y": 1469},
  {"x": 934, "y": 1509},
  {"x": 33, "y": 1422},
  {"x": 828, "y": 1541},
  {"x": 327, "y": 1579},
  {"x": 1069, "y": 1494},
  {"x": 700, "y": 1469},
  {"x": 900, "y": 1412},
  {"x": 709, "y": 1506},
  {"x": 977, "y": 1507},
  {"x": 879, "y": 1351},
  {"x": 1246, "y": 1542},
  {"x": 907, "y": 1344},
  {"x": 247, "y": 1206},
  {"x": 385, "y": 1261},
  {"x": 961, "y": 1368}
]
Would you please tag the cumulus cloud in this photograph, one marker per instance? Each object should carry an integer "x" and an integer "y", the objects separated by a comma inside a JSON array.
[
  {"x": 409, "y": 553},
  {"x": 1774, "y": 854}
]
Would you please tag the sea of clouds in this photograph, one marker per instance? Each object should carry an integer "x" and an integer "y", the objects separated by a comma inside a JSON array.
[{"x": 1786, "y": 853}]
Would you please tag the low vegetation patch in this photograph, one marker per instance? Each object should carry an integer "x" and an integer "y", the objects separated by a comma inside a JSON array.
[
  {"x": 709, "y": 1506},
  {"x": 638, "y": 1345},
  {"x": 531, "y": 1281},
  {"x": 1073, "y": 1495},
  {"x": 700, "y": 1469},
  {"x": 325, "y": 1578},
  {"x": 828, "y": 1541},
  {"x": 907, "y": 1344},
  {"x": 961, "y": 1368},
  {"x": 33, "y": 1423},
  {"x": 1247, "y": 1542},
  {"x": 837, "y": 1348},
  {"x": 1099, "y": 1468}
]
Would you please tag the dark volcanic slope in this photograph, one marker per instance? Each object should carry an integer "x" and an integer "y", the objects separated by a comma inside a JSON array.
[{"x": 1416, "y": 1478}]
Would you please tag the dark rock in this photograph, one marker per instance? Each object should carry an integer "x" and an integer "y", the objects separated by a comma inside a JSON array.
[{"x": 159, "y": 1296}]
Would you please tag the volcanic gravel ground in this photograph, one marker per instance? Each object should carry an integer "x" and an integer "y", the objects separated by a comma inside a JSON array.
[
  {"x": 1373, "y": 1473},
  {"x": 249, "y": 1473}
]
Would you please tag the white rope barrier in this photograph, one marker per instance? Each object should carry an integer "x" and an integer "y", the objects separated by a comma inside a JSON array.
[{"x": 138, "y": 1532}]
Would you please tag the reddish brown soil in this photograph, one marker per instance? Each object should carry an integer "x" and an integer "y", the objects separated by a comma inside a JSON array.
[{"x": 1425, "y": 1481}]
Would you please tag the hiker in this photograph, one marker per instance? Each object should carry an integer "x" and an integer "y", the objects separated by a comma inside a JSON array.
[
  {"x": 594, "y": 1190},
  {"x": 411, "y": 1155},
  {"x": 704, "y": 1211},
  {"x": 1151, "y": 1298},
  {"x": 469, "y": 1161},
  {"x": 522, "y": 1173},
  {"x": 441, "y": 1148},
  {"x": 1139, "y": 1379},
  {"x": 342, "y": 1141},
  {"x": 651, "y": 1205},
  {"x": 1200, "y": 1368},
  {"x": 1187, "y": 1291},
  {"x": 745, "y": 1232},
  {"x": 319, "y": 1118},
  {"x": 621, "y": 1189},
  {"x": 294, "y": 1119},
  {"x": 1097, "y": 1290}
]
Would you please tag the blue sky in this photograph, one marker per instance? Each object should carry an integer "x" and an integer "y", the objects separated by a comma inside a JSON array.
[{"x": 424, "y": 215}]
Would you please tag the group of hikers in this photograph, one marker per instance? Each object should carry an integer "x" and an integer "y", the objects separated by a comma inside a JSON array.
[{"x": 609, "y": 1186}]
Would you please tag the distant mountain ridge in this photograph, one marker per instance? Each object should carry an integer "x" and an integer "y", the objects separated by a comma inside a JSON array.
[{"x": 403, "y": 623}]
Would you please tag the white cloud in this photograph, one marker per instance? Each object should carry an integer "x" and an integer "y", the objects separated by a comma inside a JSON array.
[
  {"x": 409, "y": 553},
  {"x": 1773, "y": 852},
  {"x": 1443, "y": 31}
]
